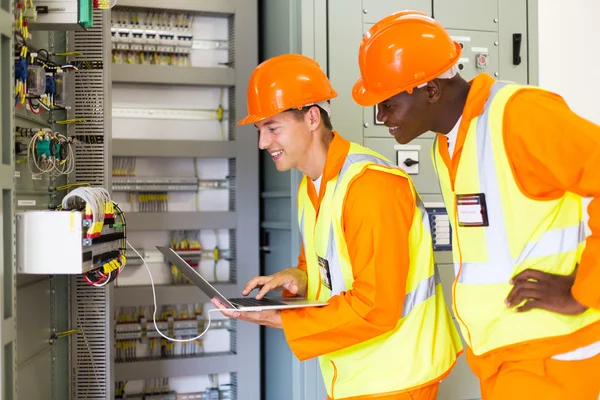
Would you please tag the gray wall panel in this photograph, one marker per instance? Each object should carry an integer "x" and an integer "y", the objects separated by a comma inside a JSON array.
[
  {"x": 345, "y": 34},
  {"x": 34, "y": 326},
  {"x": 513, "y": 19},
  {"x": 35, "y": 385},
  {"x": 247, "y": 193},
  {"x": 480, "y": 15},
  {"x": 374, "y": 10}
]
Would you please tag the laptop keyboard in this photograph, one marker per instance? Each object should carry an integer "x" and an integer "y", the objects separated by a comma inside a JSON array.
[{"x": 252, "y": 302}]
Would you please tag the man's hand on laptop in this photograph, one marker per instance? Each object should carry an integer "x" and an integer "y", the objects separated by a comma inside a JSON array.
[
  {"x": 294, "y": 280},
  {"x": 269, "y": 318}
]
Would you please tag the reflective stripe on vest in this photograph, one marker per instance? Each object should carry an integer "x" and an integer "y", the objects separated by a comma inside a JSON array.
[
  {"x": 424, "y": 333},
  {"x": 423, "y": 291},
  {"x": 551, "y": 243}
]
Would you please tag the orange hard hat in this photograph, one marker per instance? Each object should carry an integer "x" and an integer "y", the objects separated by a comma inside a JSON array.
[
  {"x": 400, "y": 52},
  {"x": 284, "y": 82}
]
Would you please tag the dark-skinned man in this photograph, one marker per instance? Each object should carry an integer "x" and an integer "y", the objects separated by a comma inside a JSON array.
[{"x": 513, "y": 163}]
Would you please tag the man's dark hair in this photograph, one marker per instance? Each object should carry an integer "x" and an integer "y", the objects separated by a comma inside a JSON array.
[{"x": 324, "y": 116}]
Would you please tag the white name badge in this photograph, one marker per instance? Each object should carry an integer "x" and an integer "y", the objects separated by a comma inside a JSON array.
[{"x": 472, "y": 210}]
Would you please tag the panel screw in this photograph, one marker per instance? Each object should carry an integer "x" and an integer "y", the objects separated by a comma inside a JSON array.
[
  {"x": 366, "y": 124},
  {"x": 365, "y": 11},
  {"x": 496, "y": 74},
  {"x": 496, "y": 20},
  {"x": 495, "y": 43}
]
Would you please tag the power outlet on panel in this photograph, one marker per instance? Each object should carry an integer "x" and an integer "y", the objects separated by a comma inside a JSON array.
[{"x": 407, "y": 158}]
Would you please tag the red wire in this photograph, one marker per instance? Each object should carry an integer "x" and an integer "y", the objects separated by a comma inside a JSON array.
[
  {"x": 94, "y": 283},
  {"x": 32, "y": 109}
]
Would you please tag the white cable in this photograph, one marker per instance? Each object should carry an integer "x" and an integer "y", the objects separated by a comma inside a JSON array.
[{"x": 156, "y": 307}]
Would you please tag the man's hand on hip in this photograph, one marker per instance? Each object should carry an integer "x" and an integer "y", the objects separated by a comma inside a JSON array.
[
  {"x": 293, "y": 280},
  {"x": 544, "y": 291}
]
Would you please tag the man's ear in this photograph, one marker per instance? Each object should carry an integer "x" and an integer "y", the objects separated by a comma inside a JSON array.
[
  {"x": 314, "y": 117},
  {"x": 434, "y": 91}
]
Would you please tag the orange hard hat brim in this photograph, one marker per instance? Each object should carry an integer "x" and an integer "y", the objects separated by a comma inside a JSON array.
[
  {"x": 366, "y": 98},
  {"x": 250, "y": 119}
]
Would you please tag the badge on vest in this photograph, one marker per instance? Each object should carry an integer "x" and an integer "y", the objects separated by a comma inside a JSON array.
[
  {"x": 325, "y": 275},
  {"x": 471, "y": 210}
]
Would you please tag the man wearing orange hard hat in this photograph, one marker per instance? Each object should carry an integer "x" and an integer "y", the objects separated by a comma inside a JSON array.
[
  {"x": 386, "y": 332},
  {"x": 513, "y": 164}
]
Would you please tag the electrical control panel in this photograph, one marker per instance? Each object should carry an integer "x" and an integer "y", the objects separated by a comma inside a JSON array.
[
  {"x": 59, "y": 242},
  {"x": 441, "y": 231}
]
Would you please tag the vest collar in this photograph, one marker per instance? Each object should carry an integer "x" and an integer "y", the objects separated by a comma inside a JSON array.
[
  {"x": 478, "y": 95},
  {"x": 336, "y": 155}
]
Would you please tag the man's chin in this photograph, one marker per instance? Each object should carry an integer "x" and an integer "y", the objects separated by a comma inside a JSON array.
[
  {"x": 281, "y": 167},
  {"x": 405, "y": 138},
  {"x": 402, "y": 139}
]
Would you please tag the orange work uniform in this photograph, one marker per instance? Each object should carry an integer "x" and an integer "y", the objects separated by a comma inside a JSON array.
[
  {"x": 551, "y": 150},
  {"x": 377, "y": 217}
]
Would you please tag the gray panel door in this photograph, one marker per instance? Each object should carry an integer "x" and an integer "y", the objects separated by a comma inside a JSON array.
[
  {"x": 375, "y": 10},
  {"x": 479, "y": 52},
  {"x": 478, "y": 15}
]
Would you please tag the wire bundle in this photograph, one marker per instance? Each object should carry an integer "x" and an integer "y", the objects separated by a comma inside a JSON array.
[
  {"x": 49, "y": 162},
  {"x": 98, "y": 205}
]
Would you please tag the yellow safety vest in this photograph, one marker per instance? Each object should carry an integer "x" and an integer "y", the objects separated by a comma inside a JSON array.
[
  {"x": 522, "y": 233},
  {"x": 424, "y": 344}
]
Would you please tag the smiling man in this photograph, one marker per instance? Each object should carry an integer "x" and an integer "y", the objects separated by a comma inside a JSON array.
[
  {"x": 367, "y": 251},
  {"x": 513, "y": 163}
]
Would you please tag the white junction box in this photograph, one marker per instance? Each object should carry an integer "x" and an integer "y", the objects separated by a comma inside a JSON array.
[{"x": 54, "y": 243}]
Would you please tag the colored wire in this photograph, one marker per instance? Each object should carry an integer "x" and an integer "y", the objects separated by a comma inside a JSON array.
[
  {"x": 70, "y": 121},
  {"x": 156, "y": 307}
]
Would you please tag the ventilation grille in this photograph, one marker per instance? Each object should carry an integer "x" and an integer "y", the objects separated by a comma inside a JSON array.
[
  {"x": 89, "y": 102},
  {"x": 231, "y": 113},
  {"x": 232, "y": 184},
  {"x": 89, "y": 163},
  {"x": 233, "y": 337},
  {"x": 234, "y": 385},
  {"x": 91, "y": 42},
  {"x": 233, "y": 255},
  {"x": 90, "y": 358},
  {"x": 91, "y": 351},
  {"x": 231, "y": 26}
]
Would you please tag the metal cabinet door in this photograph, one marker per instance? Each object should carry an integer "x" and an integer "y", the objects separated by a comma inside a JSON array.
[
  {"x": 374, "y": 10},
  {"x": 479, "y": 15},
  {"x": 476, "y": 45}
]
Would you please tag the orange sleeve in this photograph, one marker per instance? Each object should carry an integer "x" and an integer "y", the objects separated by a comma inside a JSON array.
[
  {"x": 377, "y": 217},
  {"x": 552, "y": 150}
]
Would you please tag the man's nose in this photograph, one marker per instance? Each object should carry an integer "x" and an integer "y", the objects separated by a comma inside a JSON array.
[
  {"x": 263, "y": 140},
  {"x": 381, "y": 115}
]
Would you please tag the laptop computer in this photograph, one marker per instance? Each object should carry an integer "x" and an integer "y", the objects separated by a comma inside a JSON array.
[{"x": 241, "y": 303}]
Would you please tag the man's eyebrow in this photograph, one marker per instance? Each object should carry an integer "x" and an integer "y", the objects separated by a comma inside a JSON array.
[{"x": 266, "y": 124}]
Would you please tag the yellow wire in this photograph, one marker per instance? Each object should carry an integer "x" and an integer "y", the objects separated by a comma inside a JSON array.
[
  {"x": 70, "y": 121},
  {"x": 69, "y": 53},
  {"x": 72, "y": 185}
]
